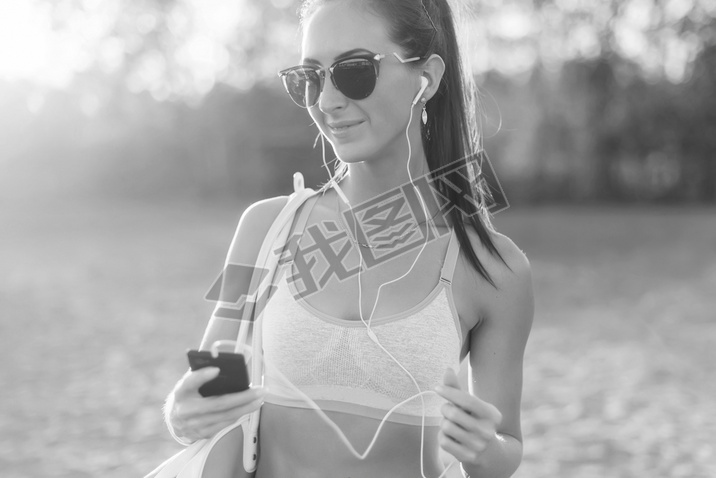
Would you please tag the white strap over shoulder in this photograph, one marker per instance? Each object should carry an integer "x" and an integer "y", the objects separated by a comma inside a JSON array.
[
  {"x": 276, "y": 236},
  {"x": 190, "y": 462},
  {"x": 267, "y": 260}
]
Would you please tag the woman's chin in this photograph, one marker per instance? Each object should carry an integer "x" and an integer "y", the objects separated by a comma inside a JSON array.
[{"x": 350, "y": 155}]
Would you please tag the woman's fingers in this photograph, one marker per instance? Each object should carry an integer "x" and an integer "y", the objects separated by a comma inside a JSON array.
[
  {"x": 480, "y": 431},
  {"x": 459, "y": 450},
  {"x": 207, "y": 425},
  {"x": 460, "y": 417},
  {"x": 193, "y": 416},
  {"x": 470, "y": 403},
  {"x": 231, "y": 405},
  {"x": 189, "y": 386},
  {"x": 484, "y": 427},
  {"x": 231, "y": 401},
  {"x": 469, "y": 423},
  {"x": 201, "y": 412},
  {"x": 193, "y": 379}
]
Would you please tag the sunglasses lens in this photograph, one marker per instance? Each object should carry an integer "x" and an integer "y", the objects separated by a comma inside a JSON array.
[
  {"x": 355, "y": 78},
  {"x": 303, "y": 86}
]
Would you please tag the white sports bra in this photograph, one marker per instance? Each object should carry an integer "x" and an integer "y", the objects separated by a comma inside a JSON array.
[{"x": 314, "y": 360}]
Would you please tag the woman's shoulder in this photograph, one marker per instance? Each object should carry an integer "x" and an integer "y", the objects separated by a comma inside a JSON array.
[
  {"x": 511, "y": 271},
  {"x": 265, "y": 210},
  {"x": 253, "y": 226},
  {"x": 513, "y": 278},
  {"x": 514, "y": 256},
  {"x": 515, "y": 259}
]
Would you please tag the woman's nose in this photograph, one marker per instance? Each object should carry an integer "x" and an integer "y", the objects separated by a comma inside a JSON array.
[{"x": 331, "y": 98}]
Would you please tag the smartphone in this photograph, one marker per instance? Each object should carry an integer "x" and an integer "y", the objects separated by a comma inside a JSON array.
[{"x": 233, "y": 376}]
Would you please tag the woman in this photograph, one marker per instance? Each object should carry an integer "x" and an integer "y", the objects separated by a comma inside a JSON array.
[{"x": 383, "y": 83}]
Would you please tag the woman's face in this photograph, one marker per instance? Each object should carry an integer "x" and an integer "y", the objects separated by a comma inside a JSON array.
[{"x": 375, "y": 125}]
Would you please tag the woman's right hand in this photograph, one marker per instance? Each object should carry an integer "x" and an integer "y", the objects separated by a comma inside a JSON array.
[{"x": 193, "y": 417}]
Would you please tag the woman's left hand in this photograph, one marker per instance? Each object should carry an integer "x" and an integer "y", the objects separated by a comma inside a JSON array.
[{"x": 469, "y": 424}]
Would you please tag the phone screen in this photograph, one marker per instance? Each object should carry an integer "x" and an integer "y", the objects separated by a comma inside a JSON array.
[{"x": 233, "y": 376}]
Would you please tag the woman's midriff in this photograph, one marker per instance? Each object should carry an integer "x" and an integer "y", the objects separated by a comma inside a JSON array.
[{"x": 297, "y": 442}]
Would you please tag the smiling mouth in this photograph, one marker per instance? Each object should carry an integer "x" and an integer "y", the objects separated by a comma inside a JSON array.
[{"x": 341, "y": 127}]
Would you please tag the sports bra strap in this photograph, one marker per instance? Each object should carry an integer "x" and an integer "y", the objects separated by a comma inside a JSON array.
[{"x": 450, "y": 258}]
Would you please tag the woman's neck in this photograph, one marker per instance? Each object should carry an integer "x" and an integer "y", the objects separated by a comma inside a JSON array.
[{"x": 369, "y": 179}]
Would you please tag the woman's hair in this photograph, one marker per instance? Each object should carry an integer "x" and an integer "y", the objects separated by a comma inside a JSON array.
[{"x": 423, "y": 28}]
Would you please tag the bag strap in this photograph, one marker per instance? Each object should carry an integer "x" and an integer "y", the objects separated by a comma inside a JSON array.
[{"x": 266, "y": 265}]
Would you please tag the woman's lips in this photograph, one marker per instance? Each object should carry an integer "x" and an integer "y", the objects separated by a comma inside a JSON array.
[{"x": 341, "y": 128}]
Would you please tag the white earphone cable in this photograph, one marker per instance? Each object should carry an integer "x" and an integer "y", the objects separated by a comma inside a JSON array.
[
  {"x": 333, "y": 181},
  {"x": 370, "y": 332}
]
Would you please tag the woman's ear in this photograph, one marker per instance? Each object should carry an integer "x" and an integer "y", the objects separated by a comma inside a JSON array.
[{"x": 433, "y": 69}]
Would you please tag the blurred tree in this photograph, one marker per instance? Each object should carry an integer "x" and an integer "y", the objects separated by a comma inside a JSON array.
[
  {"x": 697, "y": 138},
  {"x": 179, "y": 49},
  {"x": 610, "y": 80},
  {"x": 662, "y": 36},
  {"x": 601, "y": 99}
]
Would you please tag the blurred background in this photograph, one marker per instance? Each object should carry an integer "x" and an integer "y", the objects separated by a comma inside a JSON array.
[{"x": 133, "y": 133}]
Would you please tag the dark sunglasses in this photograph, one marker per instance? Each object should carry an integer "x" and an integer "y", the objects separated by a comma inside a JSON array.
[{"x": 355, "y": 77}]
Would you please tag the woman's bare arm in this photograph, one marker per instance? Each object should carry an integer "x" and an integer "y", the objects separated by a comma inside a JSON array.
[
  {"x": 243, "y": 252},
  {"x": 481, "y": 426},
  {"x": 188, "y": 415},
  {"x": 497, "y": 348}
]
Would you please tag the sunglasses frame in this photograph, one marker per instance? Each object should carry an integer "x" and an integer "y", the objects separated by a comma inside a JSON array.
[{"x": 374, "y": 58}]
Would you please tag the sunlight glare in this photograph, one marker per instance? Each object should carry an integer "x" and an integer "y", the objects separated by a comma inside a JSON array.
[
  {"x": 24, "y": 37},
  {"x": 631, "y": 41},
  {"x": 675, "y": 10},
  {"x": 30, "y": 49},
  {"x": 512, "y": 23}
]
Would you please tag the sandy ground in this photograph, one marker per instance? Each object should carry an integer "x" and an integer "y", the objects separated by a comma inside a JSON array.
[{"x": 99, "y": 302}]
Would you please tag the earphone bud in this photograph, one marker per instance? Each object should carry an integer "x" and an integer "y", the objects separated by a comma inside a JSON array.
[{"x": 423, "y": 84}]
